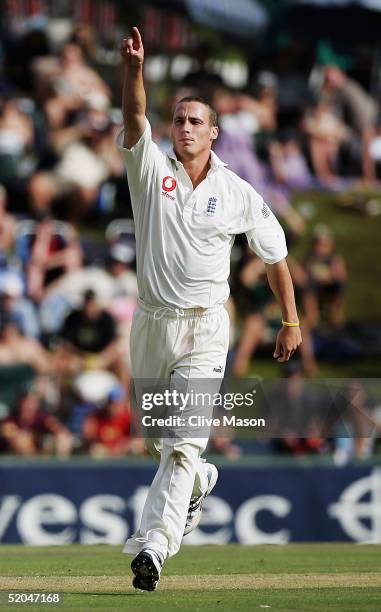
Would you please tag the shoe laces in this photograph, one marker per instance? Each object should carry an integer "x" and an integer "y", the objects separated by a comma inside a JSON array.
[{"x": 194, "y": 504}]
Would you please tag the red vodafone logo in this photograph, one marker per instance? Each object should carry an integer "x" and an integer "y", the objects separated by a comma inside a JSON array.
[{"x": 169, "y": 183}]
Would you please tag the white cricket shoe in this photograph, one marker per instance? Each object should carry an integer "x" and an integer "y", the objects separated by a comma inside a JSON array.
[
  {"x": 195, "y": 506},
  {"x": 147, "y": 568}
]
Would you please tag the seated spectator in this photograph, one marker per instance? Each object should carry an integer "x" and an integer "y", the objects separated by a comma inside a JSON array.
[
  {"x": 7, "y": 224},
  {"x": 75, "y": 79},
  {"x": 89, "y": 393},
  {"x": 55, "y": 250},
  {"x": 326, "y": 278},
  {"x": 361, "y": 109},
  {"x": 30, "y": 430},
  {"x": 121, "y": 258},
  {"x": 253, "y": 294},
  {"x": 116, "y": 288},
  {"x": 263, "y": 105},
  {"x": 125, "y": 295},
  {"x": 288, "y": 163},
  {"x": 16, "y": 137},
  {"x": 17, "y": 349},
  {"x": 87, "y": 157},
  {"x": 375, "y": 154},
  {"x": 90, "y": 341},
  {"x": 16, "y": 306},
  {"x": 326, "y": 133},
  {"x": 107, "y": 432}
]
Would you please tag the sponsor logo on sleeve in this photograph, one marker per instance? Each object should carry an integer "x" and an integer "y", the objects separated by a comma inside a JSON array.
[{"x": 265, "y": 210}]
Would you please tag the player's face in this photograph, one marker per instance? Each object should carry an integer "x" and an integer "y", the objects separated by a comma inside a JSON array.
[{"x": 192, "y": 133}]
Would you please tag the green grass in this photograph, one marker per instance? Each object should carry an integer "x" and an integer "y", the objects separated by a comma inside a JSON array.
[{"x": 305, "y": 577}]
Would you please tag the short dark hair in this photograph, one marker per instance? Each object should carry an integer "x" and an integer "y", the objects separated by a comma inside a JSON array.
[
  {"x": 89, "y": 295},
  {"x": 212, "y": 113}
]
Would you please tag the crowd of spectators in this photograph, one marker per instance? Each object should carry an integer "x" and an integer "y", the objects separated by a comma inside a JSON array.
[{"x": 67, "y": 298}]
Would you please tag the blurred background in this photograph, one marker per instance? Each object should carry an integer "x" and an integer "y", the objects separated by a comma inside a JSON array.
[{"x": 296, "y": 84}]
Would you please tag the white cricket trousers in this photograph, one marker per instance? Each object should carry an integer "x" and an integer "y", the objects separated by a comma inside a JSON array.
[{"x": 177, "y": 346}]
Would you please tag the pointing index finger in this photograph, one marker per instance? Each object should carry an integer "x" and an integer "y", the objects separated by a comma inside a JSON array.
[{"x": 137, "y": 37}]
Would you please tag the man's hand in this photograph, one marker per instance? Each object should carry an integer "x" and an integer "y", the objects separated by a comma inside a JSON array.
[
  {"x": 287, "y": 341},
  {"x": 134, "y": 96},
  {"x": 132, "y": 50}
]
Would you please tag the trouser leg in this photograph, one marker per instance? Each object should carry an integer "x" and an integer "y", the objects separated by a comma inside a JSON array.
[
  {"x": 166, "y": 507},
  {"x": 180, "y": 473}
]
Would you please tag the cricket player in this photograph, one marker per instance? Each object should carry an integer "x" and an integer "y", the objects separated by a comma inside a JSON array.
[{"x": 188, "y": 207}]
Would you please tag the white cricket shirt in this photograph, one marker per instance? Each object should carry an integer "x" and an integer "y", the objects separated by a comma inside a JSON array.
[{"x": 183, "y": 235}]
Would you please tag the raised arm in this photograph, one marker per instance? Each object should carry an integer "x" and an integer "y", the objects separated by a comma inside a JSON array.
[
  {"x": 134, "y": 95},
  {"x": 289, "y": 337}
]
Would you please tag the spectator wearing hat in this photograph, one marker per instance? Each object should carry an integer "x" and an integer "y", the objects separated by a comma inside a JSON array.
[{"x": 121, "y": 259}]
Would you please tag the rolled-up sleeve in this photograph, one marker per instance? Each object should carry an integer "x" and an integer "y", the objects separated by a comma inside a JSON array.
[
  {"x": 264, "y": 233},
  {"x": 140, "y": 159}
]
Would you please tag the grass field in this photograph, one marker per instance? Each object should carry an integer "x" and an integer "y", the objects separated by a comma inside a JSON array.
[{"x": 344, "y": 577}]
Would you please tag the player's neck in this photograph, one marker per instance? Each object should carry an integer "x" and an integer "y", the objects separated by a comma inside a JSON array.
[{"x": 197, "y": 168}]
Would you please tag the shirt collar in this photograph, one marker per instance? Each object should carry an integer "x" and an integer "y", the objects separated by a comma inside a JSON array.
[{"x": 215, "y": 161}]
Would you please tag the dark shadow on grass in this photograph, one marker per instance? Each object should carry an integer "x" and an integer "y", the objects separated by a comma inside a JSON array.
[{"x": 133, "y": 594}]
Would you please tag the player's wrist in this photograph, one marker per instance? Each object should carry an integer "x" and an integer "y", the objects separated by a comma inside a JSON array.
[
  {"x": 134, "y": 66},
  {"x": 291, "y": 323}
]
